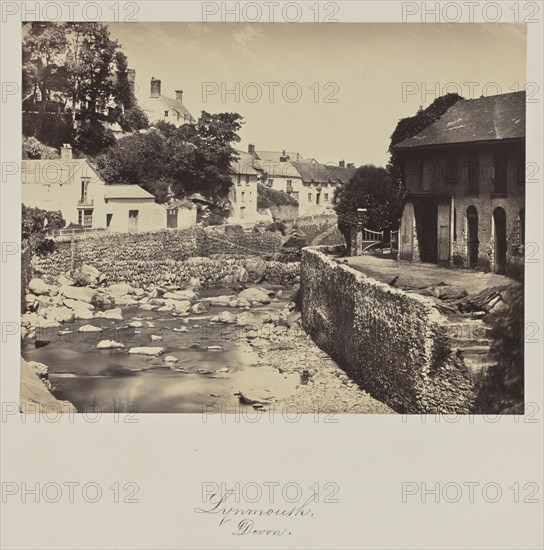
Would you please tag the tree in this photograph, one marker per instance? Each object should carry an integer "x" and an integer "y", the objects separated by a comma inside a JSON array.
[
  {"x": 35, "y": 224},
  {"x": 409, "y": 127},
  {"x": 175, "y": 162},
  {"x": 44, "y": 46},
  {"x": 371, "y": 188}
]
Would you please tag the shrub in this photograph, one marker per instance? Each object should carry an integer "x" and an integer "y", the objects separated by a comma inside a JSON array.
[{"x": 277, "y": 226}]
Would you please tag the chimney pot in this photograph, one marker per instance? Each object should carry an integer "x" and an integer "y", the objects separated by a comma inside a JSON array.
[
  {"x": 179, "y": 95},
  {"x": 251, "y": 149},
  {"x": 66, "y": 151},
  {"x": 342, "y": 164}
]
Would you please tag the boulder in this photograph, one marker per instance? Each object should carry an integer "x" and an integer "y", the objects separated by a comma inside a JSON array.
[
  {"x": 59, "y": 314},
  {"x": 162, "y": 309},
  {"x": 82, "y": 313},
  {"x": 89, "y": 328},
  {"x": 199, "y": 308},
  {"x": 156, "y": 338},
  {"x": 78, "y": 293},
  {"x": 224, "y": 317},
  {"x": 114, "y": 314},
  {"x": 220, "y": 301},
  {"x": 120, "y": 289},
  {"x": 255, "y": 268},
  {"x": 181, "y": 295},
  {"x": 135, "y": 324},
  {"x": 92, "y": 273},
  {"x": 254, "y": 295},
  {"x": 77, "y": 304},
  {"x": 180, "y": 329},
  {"x": 125, "y": 301},
  {"x": 109, "y": 344},
  {"x": 248, "y": 319},
  {"x": 171, "y": 359},
  {"x": 151, "y": 351},
  {"x": 181, "y": 306},
  {"x": 38, "y": 287},
  {"x": 63, "y": 280}
]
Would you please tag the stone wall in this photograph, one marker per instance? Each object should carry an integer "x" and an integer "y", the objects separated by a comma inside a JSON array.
[
  {"x": 392, "y": 343},
  {"x": 212, "y": 255}
]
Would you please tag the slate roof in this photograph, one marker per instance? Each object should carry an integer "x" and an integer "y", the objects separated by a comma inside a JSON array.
[
  {"x": 274, "y": 156},
  {"x": 278, "y": 169},
  {"x": 469, "y": 120},
  {"x": 126, "y": 192},
  {"x": 246, "y": 165},
  {"x": 175, "y": 105},
  {"x": 314, "y": 172}
]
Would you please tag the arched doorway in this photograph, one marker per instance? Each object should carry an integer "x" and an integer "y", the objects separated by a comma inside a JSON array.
[
  {"x": 499, "y": 238},
  {"x": 472, "y": 236}
]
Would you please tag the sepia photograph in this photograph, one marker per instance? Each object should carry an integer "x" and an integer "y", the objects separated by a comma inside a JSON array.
[
  {"x": 271, "y": 275},
  {"x": 208, "y": 224}
]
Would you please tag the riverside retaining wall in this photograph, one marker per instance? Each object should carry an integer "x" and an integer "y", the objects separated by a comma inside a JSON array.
[{"x": 392, "y": 343}]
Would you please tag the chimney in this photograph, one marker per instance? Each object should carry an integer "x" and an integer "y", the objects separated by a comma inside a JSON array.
[
  {"x": 131, "y": 77},
  {"x": 351, "y": 165},
  {"x": 155, "y": 87},
  {"x": 251, "y": 149},
  {"x": 179, "y": 95},
  {"x": 66, "y": 151},
  {"x": 342, "y": 164}
]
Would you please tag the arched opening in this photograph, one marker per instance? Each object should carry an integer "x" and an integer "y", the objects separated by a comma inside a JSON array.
[
  {"x": 472, "y": 236},
  {"x": 499, "y": 237}
]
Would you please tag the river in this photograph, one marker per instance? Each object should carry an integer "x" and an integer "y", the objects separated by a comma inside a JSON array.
[{"x": 113, "y": 380}]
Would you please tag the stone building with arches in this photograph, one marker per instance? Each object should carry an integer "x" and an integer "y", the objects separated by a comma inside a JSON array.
[{"x": 465, "y": 181}]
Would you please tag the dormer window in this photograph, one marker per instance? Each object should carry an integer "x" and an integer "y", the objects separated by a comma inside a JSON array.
[{"x": 165, "y": 113}]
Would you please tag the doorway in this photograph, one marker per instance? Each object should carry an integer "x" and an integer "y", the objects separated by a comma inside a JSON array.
[
  {"x": 133, "y": 220},
  {"x": 472, "y": 236},
  {"x": 499, "y": 237}
]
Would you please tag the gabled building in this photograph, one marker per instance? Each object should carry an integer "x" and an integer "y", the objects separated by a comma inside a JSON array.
[
  {"x": 465, "y": 181},
  {"x": 246, "y": 175},
  {"x": 74, "y": 187},
  {"x": 161, "y": 107}
]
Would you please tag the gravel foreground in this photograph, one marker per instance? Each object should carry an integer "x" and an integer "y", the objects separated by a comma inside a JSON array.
[{"x": 326, "y": 388}]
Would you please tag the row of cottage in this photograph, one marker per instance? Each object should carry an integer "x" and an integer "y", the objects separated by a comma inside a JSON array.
[{"x": 74, "y": 187}]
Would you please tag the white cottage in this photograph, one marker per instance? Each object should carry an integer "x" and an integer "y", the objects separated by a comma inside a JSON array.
[{"x": 74, "y": 187}]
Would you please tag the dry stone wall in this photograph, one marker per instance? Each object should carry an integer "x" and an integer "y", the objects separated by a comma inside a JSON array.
[{"x": 392, "y": 343}]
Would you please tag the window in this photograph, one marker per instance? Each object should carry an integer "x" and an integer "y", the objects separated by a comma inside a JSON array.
[
  {"x": 243, "y": 196},
  {"x": 295, "y": 195},
  {"x": 309, "y": 197},
  {"x": 238, "y": 179},
  {"x": 247, "y": 179},
  {"x": 326, "y": 197},
  {"x": 165, "y": 113},
  {"x": 289, "y": 186},
  {"x": 85, "y": 218},
  {"x": 84, "y": 191},
  {"x": 270, "y": 182}
]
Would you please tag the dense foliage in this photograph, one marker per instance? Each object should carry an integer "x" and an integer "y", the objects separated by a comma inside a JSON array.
[
  {"x": 371, "y": 188},
  {"x": 177, "y": 162},
  {"x": 35, "y": 224},
  {"x": 267, "y": 197}
]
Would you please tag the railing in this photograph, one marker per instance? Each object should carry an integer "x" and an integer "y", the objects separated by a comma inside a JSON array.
[{"x": 77, "y": 231}]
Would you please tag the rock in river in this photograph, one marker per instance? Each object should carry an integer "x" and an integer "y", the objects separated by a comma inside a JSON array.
[
  {"x": 78, "y": 293},
  {"x": 109, "y": 344},
  {"x": 89, "y": 328},
  {"x": 254, "y": 295},
  {"x": 38, "y": 287},
  {"x": 152, "y": 351}
]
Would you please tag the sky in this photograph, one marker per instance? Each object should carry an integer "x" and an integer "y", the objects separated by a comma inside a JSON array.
[{"x": 332, "y": 91}]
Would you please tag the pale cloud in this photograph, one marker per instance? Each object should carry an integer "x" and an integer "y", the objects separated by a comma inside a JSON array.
[{"x": 245, "y": 35}]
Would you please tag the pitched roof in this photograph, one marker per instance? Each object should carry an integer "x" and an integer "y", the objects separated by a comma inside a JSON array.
[
  {"x": 274, "y": 156},
  {"x": 278, "y": 169},
  {"x": 314, "y": 172},
  {"x": 129, "y": 191},
  {"x": 245, "y": 165},
  {"x": 176, "y": 105},
  {"x": 485, "y": 119},
  {"x": 56, "y": 171}
]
